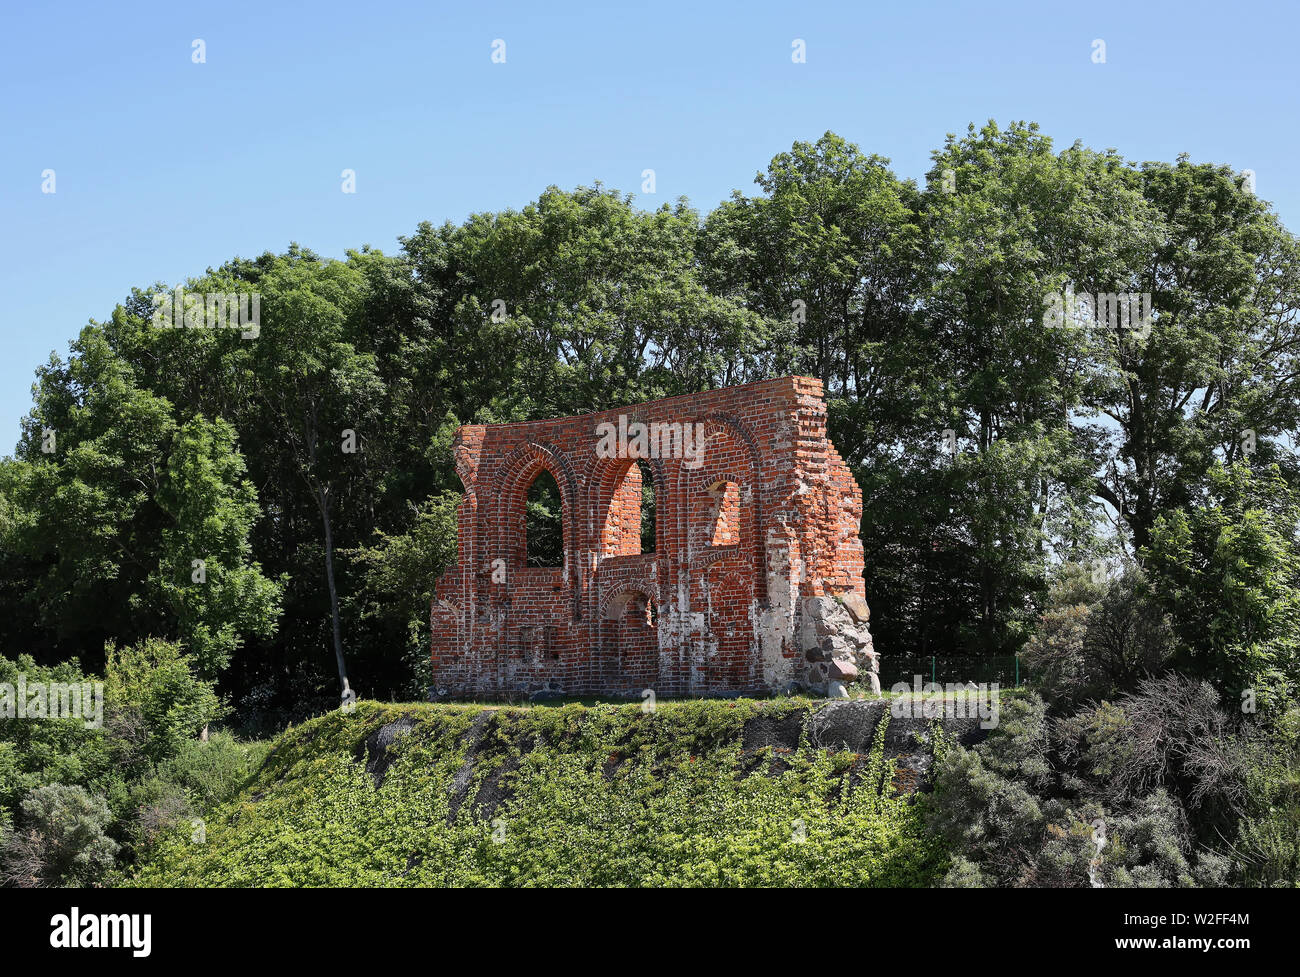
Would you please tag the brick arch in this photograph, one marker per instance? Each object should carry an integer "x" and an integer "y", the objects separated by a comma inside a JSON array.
[
  {"x": 604, "y": 476},
  {"x": 618, "y": 596},
  {"x": 516, "y": 473},
  {"x": 732, "y": 579},
  {"x": 629, "y": 644},
  {"x": 726, "y": 505},
  {"x": 446, "y": 611},
  {"x": 747, "y": 478}
]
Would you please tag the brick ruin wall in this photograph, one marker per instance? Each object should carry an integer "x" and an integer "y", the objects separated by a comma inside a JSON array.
[{"x": 754, "y": 585}]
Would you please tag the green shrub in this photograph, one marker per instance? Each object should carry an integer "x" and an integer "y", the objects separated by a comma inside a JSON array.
[
  {"x": 213, "y": 771},
  {"x": 1098, "y": 640},
  {"x": 60, "y": 839},
  {"x": 1268, "y": 836},
  {"x": 1228, "y": 571},
  {"x": 153, "y": 692},
  {"x": 35, "y": 752},
  {"x": 984, "y": 817},
  {"x": 159, "y": 807},
  {"x": 1100, "y": 797}
]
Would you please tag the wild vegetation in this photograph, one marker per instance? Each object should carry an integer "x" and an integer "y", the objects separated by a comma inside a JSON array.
[{"x": 556, "y": 796}]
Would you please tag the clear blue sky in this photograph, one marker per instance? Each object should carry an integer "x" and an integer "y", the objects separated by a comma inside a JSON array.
[{"x": 165, "y": 167}]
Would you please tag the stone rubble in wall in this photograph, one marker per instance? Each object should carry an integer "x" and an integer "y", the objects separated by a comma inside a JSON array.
[{"x": 836, "y": 642}]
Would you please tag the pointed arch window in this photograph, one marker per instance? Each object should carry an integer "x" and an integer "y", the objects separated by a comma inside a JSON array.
[{"x": 544, "y": 522}]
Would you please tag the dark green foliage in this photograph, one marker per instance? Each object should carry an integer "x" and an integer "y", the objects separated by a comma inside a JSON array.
[
  {"x": 544, "y": 522},
  {"x": 397, "y": 575},
  {"x": 1228, "y": 570},
  {"x": 648, "y": 504},
  {"x": 1268, "y": 837},
  {"x": 1098, "y": 640},
  {"x": 1161, "y": 788},
  {"x": 79, "y": 798}
]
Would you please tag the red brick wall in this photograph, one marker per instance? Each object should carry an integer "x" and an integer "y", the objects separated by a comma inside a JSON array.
[{"x": 766, "y": 514}]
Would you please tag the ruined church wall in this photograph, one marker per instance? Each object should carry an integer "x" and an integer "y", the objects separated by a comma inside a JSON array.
[{"x": 761, "y": 518}]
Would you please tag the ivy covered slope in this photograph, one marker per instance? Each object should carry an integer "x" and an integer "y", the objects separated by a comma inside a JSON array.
[{"x": 426, "y": 795}]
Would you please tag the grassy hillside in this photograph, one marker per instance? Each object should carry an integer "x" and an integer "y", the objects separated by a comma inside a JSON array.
[{"x": 697, "y": 793}]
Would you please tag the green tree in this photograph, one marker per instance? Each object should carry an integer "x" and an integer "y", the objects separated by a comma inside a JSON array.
[
  {"x": 603, "y": 305},
  {"x": 398, "y": 573},
  {"x": 320, "y": 393},
  {"x": 1228, "y": 571},
  {"x": 1218, "y": 375},
  {"x": 831, "y": 257},
  {"x": 225, "y": 596},
  {"x": 1009, "y": 222},
  {"x": 77, "y": 505}
]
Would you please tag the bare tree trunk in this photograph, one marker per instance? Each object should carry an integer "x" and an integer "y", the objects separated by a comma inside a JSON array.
[
  {"x": 321, "y": 493},
  {"x": 322, "y": 500}
]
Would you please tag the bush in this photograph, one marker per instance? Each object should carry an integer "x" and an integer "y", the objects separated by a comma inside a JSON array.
[
  {"x": 37, "y": 752},
  {"x": 153, "y": 692},
  {"x": 60, "y": 839},
  {"x": 983, "y": 816},
  {"x": 1268, "y": 836},
  {"x": 964, "y": 874},
  {"x": 1096, "y": 641},
  {"x": 154, "y": 709},
  {"x": 160, "y": 807},
  {"x": 1020, "y": 748},
  {"x": 1169, "y": 733},
  {"x": 1100, "y": 797},
  {"x": 212, "y": 772}
]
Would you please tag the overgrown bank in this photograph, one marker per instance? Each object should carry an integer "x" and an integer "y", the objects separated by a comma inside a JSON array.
[{"x": 709, "y": 793}]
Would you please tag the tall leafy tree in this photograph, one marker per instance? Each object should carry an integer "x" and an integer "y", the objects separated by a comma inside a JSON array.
[
  {"x": 831, "y": 258},
  {"x": 319, "y": 392},
  {"x": 603, "y": 304},
  {"x": 1218, "y": 375},
  {"x": 1009, "y": 223},
  {"x": 79, "y": 505}
]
